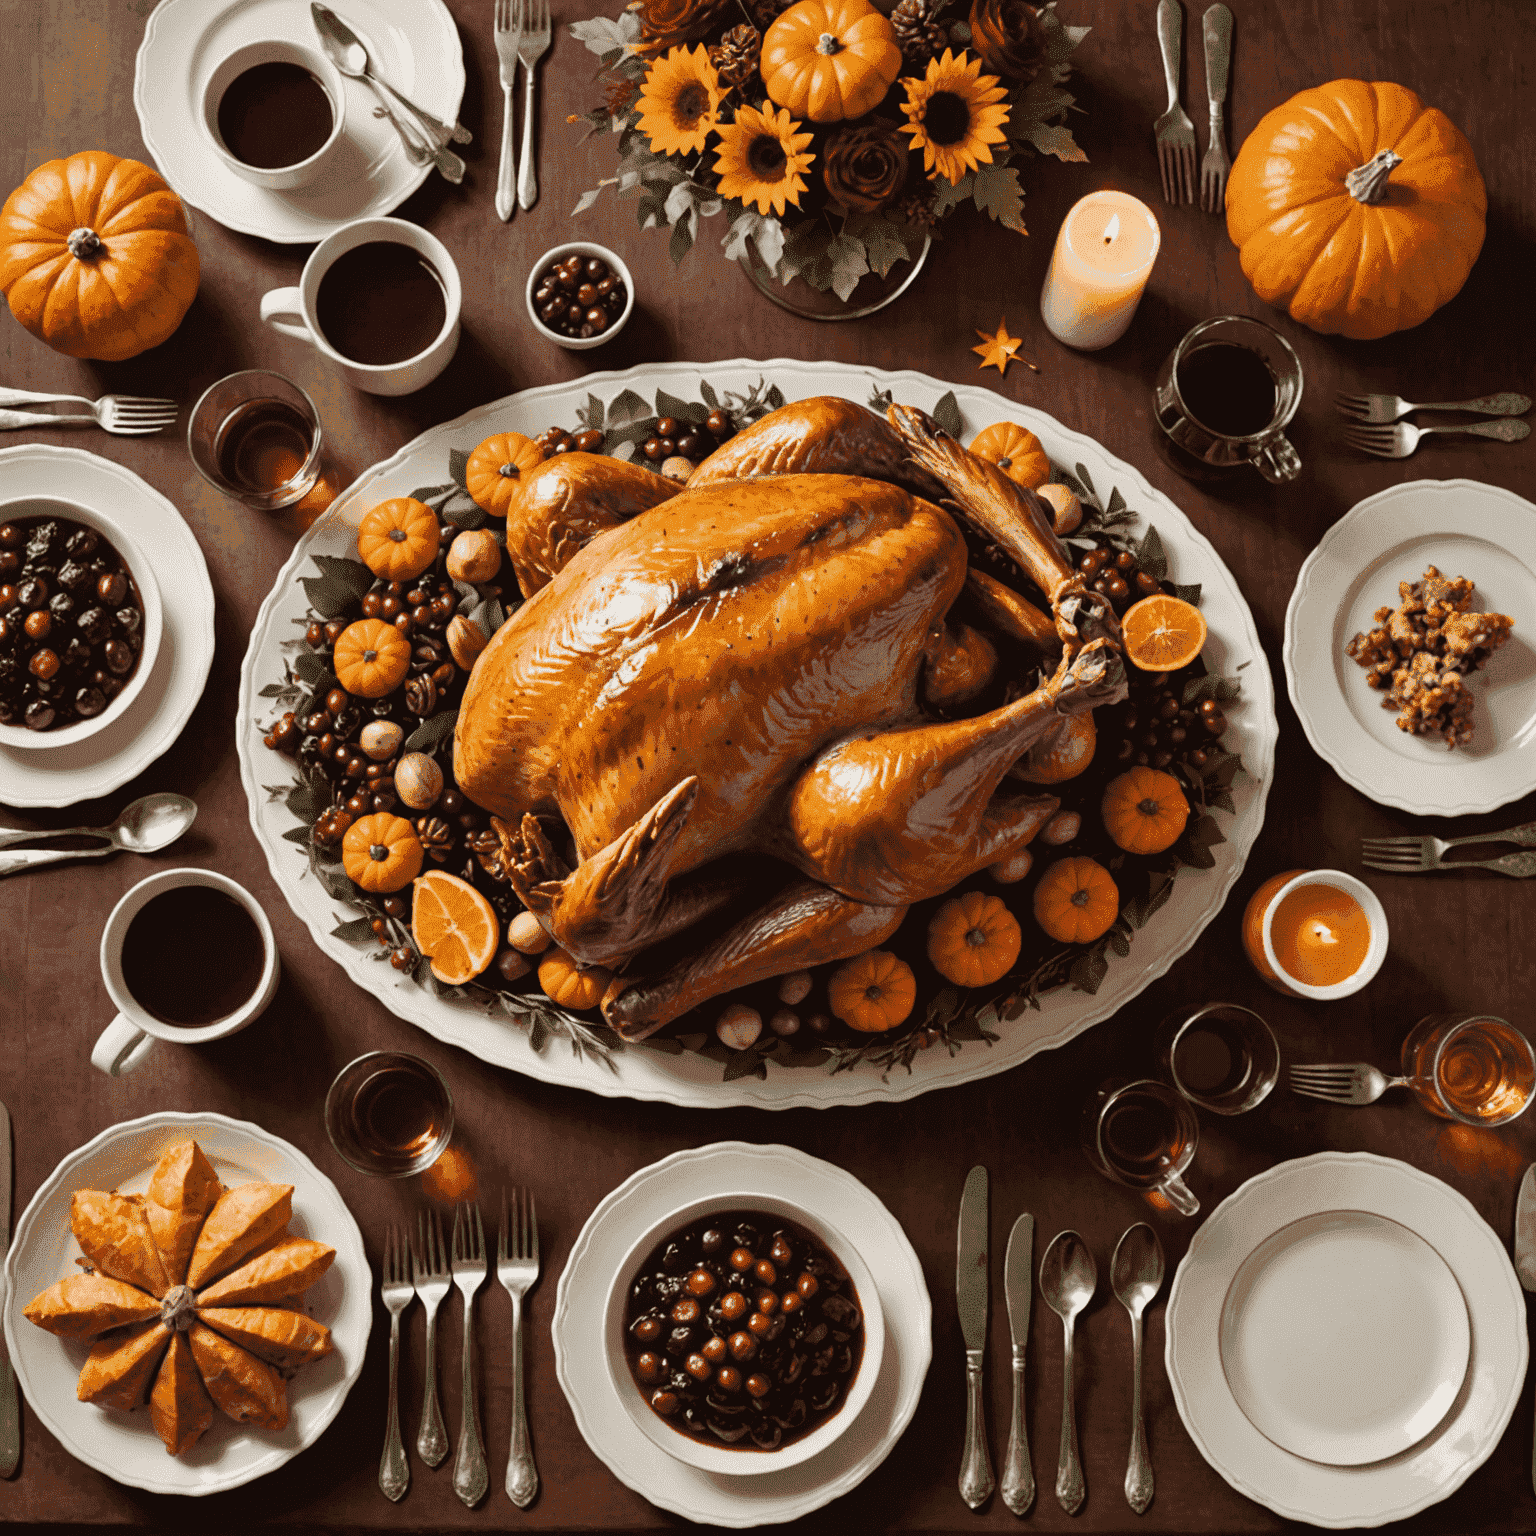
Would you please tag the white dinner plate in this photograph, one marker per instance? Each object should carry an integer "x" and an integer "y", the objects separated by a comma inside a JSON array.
[
  {"x": 1466, "y": 529},
  {"x": 1344, "y": 1337},
  {"x": 688, "y": 1078},
  {"x": 728, "y": 1169},
  {"x": 413, "y": 44},
  {"x": 1246, "y": 1224},
  {"x": 118, "y": 752},
  {"x": 125, "y": 1446}
]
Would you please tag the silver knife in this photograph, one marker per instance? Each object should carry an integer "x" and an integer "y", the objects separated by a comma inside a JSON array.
[
  {"x": 10, "y": 1410},
  {"x": 971, "y": 1260},
  {"x": 1019, "y": 1288},
  {"x": 1525, "y": 1249}
]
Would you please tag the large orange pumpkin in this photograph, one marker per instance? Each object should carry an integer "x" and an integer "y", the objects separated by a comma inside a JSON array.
[
  {"x": 96, "y": 258},
  {"x": 1356, "y": 208},
  {"x": 830, "y": 60}
]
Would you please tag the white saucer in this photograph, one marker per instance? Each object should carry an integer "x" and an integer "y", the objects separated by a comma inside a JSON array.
[
  {"x": 1466, "y": 529},
  {"x": 411, "y": 43},
  {"x": 1344, "y": 1338},
  {"x": 124, "y": 1445},
  {"x": 120, "y": 751},
  {"x": 1300, "y": 1488},
  {"x": 727, "y": 1168}
]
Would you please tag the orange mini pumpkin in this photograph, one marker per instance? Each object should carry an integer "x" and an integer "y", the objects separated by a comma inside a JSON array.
[
  {"x": 873, "y": 992},
  {"x": 1077, "y": 901},
  {"x": 399, "y": 539},
  {"x": 371, "y": 658},
  {"x": 973, "y": 940},
  {"x": 570, "y": 984},
  {"x": 1016, "y": 451},
  {"x": 499, "y": 468},
  {"x": 830, "y": 60},
  {"x": 96, "y": 258},
  {"x": 1144, "y": 811},
  {"x": 381, "y": 853}
]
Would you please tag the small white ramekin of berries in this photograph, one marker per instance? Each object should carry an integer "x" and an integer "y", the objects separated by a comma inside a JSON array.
[{"x": 580, "y": 295}]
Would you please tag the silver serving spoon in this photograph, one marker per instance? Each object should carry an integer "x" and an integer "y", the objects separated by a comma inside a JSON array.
[
  {"x": 145, "y": 825},
  {"x": 1136, "y": 1276},
  {"x": 1068, "y": 1279}
]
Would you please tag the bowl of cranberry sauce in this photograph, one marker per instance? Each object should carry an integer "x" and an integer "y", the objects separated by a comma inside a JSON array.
[
  {"x": 745, "y": 1334},
  {"x": 80, "y": 622}
]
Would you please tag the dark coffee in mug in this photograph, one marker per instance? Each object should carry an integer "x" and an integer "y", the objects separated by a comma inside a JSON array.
[
  {"x": 381, "y": 302},
  {"x": 275, "y": 114},
  {"x": 1227, "y": 388},
  {"x": 192, "y": 956}
]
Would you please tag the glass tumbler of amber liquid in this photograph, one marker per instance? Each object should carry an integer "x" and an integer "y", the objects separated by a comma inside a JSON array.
[
  {"x": 389, "y": 1114},
  {"x": 1470, "y": 1067},
  {"x": 256, "y": 436}
]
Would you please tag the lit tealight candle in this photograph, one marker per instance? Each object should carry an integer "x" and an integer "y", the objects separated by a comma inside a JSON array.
[{"x": 1103, "y": 258}]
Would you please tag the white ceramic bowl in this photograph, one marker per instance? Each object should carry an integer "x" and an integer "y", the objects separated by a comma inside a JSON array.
[
  {"x": 722, "y": 1458},
  {"x": 149, "y": 595},
  {"x": 616, "y": 264},
  {"x": 1375, "y": 914}
]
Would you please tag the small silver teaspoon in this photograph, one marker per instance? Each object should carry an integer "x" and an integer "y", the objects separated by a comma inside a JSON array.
[
  {"x": 145, "y": 825},
  {"x": 1136, "y": 1276},
  {"x": 1068, "y": 1279}
]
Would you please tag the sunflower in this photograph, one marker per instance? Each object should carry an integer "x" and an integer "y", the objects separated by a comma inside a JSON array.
[
  {"x": 680, "y": 102},
  {"x": 762, "y": 159},
  {"x": 954, "y": 115}
]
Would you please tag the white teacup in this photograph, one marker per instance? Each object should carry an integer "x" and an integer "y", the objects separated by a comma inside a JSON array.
[
  {"x": 278, "y": 178},
  {"x": 292, "y": 310},
  {"x": 127, "y": 1040}
]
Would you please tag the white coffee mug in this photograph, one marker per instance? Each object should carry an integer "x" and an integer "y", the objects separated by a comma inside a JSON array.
[
  {"x": 292, "y": 310},
  {"x": 276, "y": 178},
  {"x": 126, "y": 1041}
]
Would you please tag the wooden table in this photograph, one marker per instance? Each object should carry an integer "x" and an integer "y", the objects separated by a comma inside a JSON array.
[{"x": 1466, "y": 941}]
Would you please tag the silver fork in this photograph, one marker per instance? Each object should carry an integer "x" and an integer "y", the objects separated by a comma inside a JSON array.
[
  {"x": 396, "y": 1292},
  {"x": 508, "y": 31},
  {"x": 470, "y": 1479},
  {"x": 1418, "y": 855},
  {"x": 531, "y": 47},
  {"x": 431, "y": 1277},
  {"x": 1217, "y": 27},
  {"x": 517, "y": 1267},
  {"x": 126, "y": 415},
  {"x": 1397, "y": 442},
  {"x": 1380, "y": 409},
  {"x": 1353, "y": 1083},
  {"x": 1175, "y": 133}
]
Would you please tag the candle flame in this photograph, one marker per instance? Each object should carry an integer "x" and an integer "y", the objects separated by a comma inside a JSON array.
[{"x": 1112, "y": 228}]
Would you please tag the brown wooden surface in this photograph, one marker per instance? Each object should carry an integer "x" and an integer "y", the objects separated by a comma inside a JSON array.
[{"x": 1461, "y": 941}]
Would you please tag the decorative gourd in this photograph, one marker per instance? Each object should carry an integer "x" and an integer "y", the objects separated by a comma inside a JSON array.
[
  {"x": 474, "y": 556},
  {"x": 371, "y": 658},
  {"x": 572, "y": 985},
  {"x": 1016, "y": 451},
  {"x": 496, "y": 471},
  {"x": 1144, "y": 810},
  {"x": 829, "y": 60},
  {"x": 1356, "y": 208},
  {"x": 973, "y": 940},
  {"x": 96, "y": 258},
  {"x": 381, "y": 853},
  {"x": 1077, "y": 901},
  {"x": 398, "y": 539},
  {"x": 1066, "y": 509},
  {"x": 873, "y": 992}
]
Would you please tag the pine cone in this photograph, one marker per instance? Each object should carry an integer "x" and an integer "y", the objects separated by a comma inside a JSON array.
[
  {"x": 421, "y": 695},
  {"x": 765, "y": 12},
  {"x": 916, "y": 208},
  {"x": 486, "y": 847},
  {"x": 736, "y": 55},
  {"x": 919, "y": 33},
  {"x": 435, "y": 836}
]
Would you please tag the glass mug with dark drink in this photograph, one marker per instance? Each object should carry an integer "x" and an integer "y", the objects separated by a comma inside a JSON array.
[
  {"x": 1470, "y": 1067},
  {"x": 1224, "y": 397},
  {"x": 188, "y": 956},
  {"x": 1143, "y": 1135},
  {"x": 390, "y": 1114},
  {"x": 379, "y": 298},
  {"x": 256, "y": 435}
]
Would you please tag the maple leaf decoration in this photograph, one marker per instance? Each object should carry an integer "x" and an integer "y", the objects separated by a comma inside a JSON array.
[{"x": 1000, "y": 349}]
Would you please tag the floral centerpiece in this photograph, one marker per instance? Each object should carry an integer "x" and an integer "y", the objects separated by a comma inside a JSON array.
[{"x": 834, "y": 138}]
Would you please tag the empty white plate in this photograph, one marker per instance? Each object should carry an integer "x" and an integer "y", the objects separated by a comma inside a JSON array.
[{"x": 1344, "y": 1338}]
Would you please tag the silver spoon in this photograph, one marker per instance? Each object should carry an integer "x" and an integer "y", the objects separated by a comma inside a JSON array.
[
  {"x": 1136, "y": 1276},
  {"x": 1068, "y": 1279},
  {"x": 145, "y": 825}
]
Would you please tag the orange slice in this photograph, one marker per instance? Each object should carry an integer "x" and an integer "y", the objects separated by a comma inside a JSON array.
[
  {"x": 1162, "y": 633},
  {"x": 454, "y": 925}
]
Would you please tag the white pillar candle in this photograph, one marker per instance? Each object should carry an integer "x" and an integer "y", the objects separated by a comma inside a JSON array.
[{"x": 1104, "y": 255}]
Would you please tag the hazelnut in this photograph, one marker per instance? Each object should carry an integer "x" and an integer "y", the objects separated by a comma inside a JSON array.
[
  {"x": 465, "y": 640},
  {"x": 677, "y": 468},
  {"x": 1061, "y": 828},
  {"x": 418, "y": 781},
  {"x": 795, "y": 987},
  {"x": 1065, "y": 507},
  {"x": 1007, "y": 871},
  {"x": 739, "y": 1026},
  {"x": 474, "y": 556},
  {"x": 785, "y": 1022},
  {"x": 526, "y": 932},
  {"x": 381, "y": 739}
]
